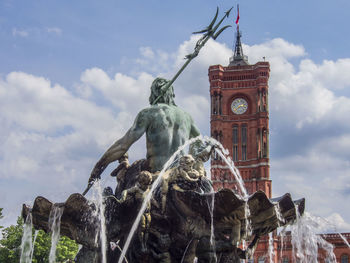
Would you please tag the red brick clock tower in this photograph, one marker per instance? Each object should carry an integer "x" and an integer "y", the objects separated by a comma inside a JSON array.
[{"x": 240, "y": 120}]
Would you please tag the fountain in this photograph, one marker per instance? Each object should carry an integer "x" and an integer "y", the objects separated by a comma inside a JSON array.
[{"x": 164, "y": 208}]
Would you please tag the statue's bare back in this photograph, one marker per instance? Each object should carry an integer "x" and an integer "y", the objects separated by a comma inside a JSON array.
[{"x": 168, "y": 128}]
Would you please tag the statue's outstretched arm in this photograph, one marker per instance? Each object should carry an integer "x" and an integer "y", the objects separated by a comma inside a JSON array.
[
  {"x": 194, "y": 131},
  {"x": 121, "y": 146}
]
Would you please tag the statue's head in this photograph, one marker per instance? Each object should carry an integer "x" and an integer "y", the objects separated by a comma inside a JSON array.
[
  {"x": 186, "y": 162},
  {"x": 145, "y": 178},
  {"x": 157, "y": 90}
]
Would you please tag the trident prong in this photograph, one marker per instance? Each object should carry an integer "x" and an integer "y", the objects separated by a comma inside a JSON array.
[{"x": 210, "y": 32}]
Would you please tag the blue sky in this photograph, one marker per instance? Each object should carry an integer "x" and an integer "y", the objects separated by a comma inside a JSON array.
[{"x": 75, "y": 73}]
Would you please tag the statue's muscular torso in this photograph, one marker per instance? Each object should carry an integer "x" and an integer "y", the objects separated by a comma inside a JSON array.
[{"x": 167, "y": 127}]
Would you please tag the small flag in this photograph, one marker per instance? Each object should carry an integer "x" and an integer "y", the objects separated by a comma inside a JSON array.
[{"x": 237, "y": 20}]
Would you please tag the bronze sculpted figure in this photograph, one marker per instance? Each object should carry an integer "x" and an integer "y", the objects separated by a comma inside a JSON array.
[{"x": 166, "y": 126}]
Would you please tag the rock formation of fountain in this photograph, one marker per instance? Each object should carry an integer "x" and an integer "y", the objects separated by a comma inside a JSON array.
[{"x": 178, "y": 223}]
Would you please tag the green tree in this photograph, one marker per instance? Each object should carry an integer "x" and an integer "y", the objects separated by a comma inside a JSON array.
[
  {"x": 66, "y": 249},
  {"x": 42, "y": 247},
  {"x": 1, "y": 216},
  {"x": 11, "y": 241}
]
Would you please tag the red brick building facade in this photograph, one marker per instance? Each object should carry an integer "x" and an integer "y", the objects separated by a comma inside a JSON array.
[{"x": 240, "y": 121}]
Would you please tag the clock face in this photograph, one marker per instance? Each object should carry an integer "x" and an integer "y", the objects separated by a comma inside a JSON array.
[{"x": 239, "y": 106}]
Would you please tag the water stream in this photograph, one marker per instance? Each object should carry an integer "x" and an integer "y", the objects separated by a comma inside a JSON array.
[
  {"x": 232, "y": 168},
  {"x": 282, "y": 235},
  {"x": 97, "y": 199},
  {"x": 306, "y": 240},
  {"x": 271, "y": 250},
  {"x": 35, "y": 236},
  {"x": 185, "y": 252},
  {"x": 55, "y": 224},
  {"x": 27, "y": 244},
  {"x": 147, "y": 199},
  {"x": 278, "y": 214},
  {"x": 211, "y": 204},
  {"x": 344, "y": 239},
  {"x": 219, "y": 149},
  {"x": 239, "y": 180}
]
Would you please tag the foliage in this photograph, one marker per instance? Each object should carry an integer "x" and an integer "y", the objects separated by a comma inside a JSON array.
[
  {"x": 42, "y": 247},
  {"x": 11, "y": 241},
  {"x": 66, "y": 249},
  {"x": 1, "y": 216}
]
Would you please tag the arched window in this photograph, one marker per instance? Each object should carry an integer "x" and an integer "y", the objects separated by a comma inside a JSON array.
[
  {"x": 344, "y": 258},
  {"x": 285, "y": 260},
  {"x": 261, "y": 260},
  {"x": 235, "y": 143},
  {"x": 244, "y": 141}
]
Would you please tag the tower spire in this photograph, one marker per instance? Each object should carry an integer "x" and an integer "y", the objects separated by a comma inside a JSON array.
[{"x": 238, "y": 57}]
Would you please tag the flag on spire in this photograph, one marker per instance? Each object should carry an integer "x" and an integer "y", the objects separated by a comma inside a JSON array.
[{"x": 237, "y": 20}]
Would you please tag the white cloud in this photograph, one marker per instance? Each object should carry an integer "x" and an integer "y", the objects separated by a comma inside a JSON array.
[
  {"x": 46, "y": 126},
  {"x": 54, "y": 30},
  {"x": 21, "y": 33},
  {"x": 154, "y": 61},
  {"x": 121, "y": 90},
  {"x": 337, "y": 222},
  {"x": 147, "y": 52}
]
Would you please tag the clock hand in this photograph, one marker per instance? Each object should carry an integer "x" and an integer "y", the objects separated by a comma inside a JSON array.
[{"x": 241, "y": 105}]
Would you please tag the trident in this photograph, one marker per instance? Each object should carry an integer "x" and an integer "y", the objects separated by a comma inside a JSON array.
[{"x": 209, "y": 32}]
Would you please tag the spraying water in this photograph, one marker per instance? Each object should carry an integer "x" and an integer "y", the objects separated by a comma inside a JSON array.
[
  {"x": 211, "y": 210},
  {"x": 282, "y": 236},
  {"x": 98, "y": 200},
  {"x": 221, "y": 151},
  {"x": 232, "y": 168},
  {"x": 35, "y": 236},
  {"x": 306, "y": 241},
  {"x": 55, "y": 224},
  {"x": 184, "y": 255},
  {"x": 149, "y": 195},
  {"x": 271, "y": 248},
  {"x": 278, "y": 214},
  {"x": 324, "y": 223},
  {"x": 244, "y": 194},
  {"x": 26, "y": 244},
  {"x": 248, "y": 225},
  {"x": 344, "y": 239}
]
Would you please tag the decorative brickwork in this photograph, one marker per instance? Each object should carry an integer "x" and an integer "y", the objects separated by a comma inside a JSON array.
[{"x": 240, "y": 121}]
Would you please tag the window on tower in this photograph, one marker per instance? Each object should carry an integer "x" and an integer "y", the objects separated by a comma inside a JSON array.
[
  {"x": 235, "y": 143},
  {"x": 344, "y": 258},
  {"x": 265, "y": 143},
  {"x": 244, "y": 141}
]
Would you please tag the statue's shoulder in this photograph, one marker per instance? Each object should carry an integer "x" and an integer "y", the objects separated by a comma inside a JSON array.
[
  {"x": 164, "y": 109},
  {"x": 159, "y": 108}
]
